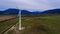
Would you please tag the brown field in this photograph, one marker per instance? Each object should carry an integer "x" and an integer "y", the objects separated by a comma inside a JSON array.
[{"x": 3, "y": 18}]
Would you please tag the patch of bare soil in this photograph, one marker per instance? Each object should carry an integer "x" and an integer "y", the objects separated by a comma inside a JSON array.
[{"x": 3, "y": 18}]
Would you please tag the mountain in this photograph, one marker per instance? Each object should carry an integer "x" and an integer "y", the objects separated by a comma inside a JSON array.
[
  {"x": 28, "y": 13},
  {"x": 25, "y": 12},
  {"x": 1, "y": 12},
  {"x": 9, "y": 12},
  {"x": 53, "y": 11},
  {"x": 36, "y": 13},
  {"x": 13, "y": 11}
]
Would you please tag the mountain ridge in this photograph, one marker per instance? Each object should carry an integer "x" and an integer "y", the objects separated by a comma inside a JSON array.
[
  {"x": 13, "y": 11},
  {"x": 9, "y": 12}
]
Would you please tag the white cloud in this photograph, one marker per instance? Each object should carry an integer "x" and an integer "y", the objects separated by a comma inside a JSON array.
[
  {"x": 34, "y": 4},
  {"x": 31, "y": 4}
]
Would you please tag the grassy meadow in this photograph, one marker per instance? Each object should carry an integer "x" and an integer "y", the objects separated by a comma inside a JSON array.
[{"x": 41, "y": 25}]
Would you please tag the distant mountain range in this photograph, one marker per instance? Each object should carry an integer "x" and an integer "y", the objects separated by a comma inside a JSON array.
[
  {"x": 28, "y": 13},
  {"x": 47, "y": 12},
  {"x": 12, "y": 11},
  {"x": 9, "y": 12},
  {"x": 53, "y": 11}
]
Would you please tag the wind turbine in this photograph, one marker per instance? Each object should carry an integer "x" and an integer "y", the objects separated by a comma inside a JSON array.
[
  {"x": 20, "y": 20},
  {"x": 19, "y": 15}
]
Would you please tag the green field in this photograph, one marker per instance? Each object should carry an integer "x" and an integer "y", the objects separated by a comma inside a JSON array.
[
  {"x": 5, "y": 25},
  {"x": 41, "y": 25}
]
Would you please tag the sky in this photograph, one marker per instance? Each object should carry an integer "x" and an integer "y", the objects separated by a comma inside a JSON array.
[{"x": 30, "y": 4}]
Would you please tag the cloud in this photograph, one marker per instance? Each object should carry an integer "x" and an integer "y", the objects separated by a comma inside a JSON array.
[
  {"x": 55, "y": 3},
  {"x": 40, "y": 4},
  {"x": 5, "y": 4},
  {"x": 30, "y": 4},
  {"x": 35, "y": 4}
]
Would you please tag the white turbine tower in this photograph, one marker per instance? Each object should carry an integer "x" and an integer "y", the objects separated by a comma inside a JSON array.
[
  {"x": 19, "y": 20},
  {"x": 19, "y": 15}
]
